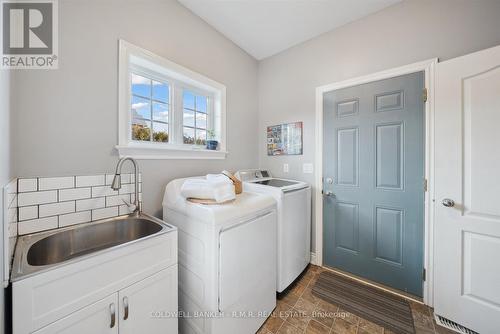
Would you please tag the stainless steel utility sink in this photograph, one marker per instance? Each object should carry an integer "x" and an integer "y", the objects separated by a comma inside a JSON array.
[{"x": 40, "y": 251}]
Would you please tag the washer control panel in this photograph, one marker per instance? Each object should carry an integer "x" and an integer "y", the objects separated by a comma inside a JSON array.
[{"x": 253, "y": 174}]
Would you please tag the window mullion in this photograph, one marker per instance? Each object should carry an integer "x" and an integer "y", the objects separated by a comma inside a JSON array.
[
  {"x": 151, "y": 109},
  {"x": 178, "y": 114},
  {"x": 210, "y": 115},
  {"x": 194, "y": 120},
  {"x": 171, "y": 117}
]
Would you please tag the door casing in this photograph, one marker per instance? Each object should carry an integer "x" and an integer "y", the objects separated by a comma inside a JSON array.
[{"x": 427, "y": 66}]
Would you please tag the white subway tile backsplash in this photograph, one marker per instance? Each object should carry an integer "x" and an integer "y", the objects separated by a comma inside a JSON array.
[
  {"x": 11, "y": 200},
  {"x": 28, "y": 212},
  {"x": 127, "y": 188},
  {"x": 104, "y": 213},
  {"x": 37, "y": 197},
  {"x": 103, "y": 191},
  {"x": 12, "y": 230},
  {"x": 37, "y": 225},
  {"x": 50, "y": 183},
  {"x": 109, "y": 179},
  {"x": 38, "y": 204},
  {"x": 25, "y": 185},
  {"x": 75, "y": 218},
  {"x": 73, "y": 194},
  {"x": 12, "y": 214},
  {"x": 9, "y": 227},
  {"x": 90, "y": 180},
  {"x": 89, "y": 204},
  {"x": 117, "y": 200},
  {"x": 125, "y": 178},
  {"x": 54, "y": 209}
]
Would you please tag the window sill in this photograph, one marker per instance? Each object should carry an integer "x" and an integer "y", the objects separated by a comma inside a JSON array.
[{"x": 155, "y": 152}]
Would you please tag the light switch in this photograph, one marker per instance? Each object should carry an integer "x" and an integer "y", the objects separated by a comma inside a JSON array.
[
  {"x": 285, "y": 168},
  {"x": 307, "y": 168}
]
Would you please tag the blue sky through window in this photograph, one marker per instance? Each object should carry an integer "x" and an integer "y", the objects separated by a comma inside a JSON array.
[{"x": 149, "y": 108}]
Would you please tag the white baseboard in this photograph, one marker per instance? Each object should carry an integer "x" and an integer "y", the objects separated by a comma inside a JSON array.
[{"x": 313, "y": 258}]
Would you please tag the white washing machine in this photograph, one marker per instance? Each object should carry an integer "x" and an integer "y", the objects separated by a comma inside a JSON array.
[
  {"x": 294, "y": 220},
  {"x": 227, "y": 261}
]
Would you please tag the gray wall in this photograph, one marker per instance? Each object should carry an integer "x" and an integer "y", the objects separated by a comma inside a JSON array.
[
  {"x": 402, "y": 34},
  {"x": 65, "y": 120},
  {"x": 5, "y": 133}
]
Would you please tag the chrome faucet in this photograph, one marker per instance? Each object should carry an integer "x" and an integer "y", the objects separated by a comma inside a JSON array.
[{"x": 117, "y": 183}]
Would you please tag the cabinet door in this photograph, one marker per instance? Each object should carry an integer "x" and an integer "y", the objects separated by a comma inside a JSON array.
[
  {"x": 98, "y": 318},
  {"x": 150, "y": 304}
]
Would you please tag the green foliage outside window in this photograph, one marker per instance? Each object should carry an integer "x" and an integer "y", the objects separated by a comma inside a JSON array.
[
  {"x": 140, "y": 132},
  {"x": 160, "y": 136},
  {"x": 143, "y": 133}
]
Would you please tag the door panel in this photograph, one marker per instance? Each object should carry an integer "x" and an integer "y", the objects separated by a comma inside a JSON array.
[
  {"x": 347, "y": 159},
  {"x": 389, "y": 156},
  {"x": 347, "y": 229},
  {"x": 95, "y": 319},
  {"x": 467, "y": 165},
  {"x": 388, "y": 236},
  {"x": 374, "y": 151},
  {"x": 481, "y": 155},
  {"x": 142, "y": 301}
]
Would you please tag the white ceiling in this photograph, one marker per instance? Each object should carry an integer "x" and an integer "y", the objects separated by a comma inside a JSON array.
[{"x": 266, "y": 27}]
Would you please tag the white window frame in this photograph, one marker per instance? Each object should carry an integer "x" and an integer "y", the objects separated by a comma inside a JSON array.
[{"x": 135, "y": 59}]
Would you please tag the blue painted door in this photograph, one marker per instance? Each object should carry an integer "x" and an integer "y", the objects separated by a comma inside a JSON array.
[{"x": 373, "y": 175}]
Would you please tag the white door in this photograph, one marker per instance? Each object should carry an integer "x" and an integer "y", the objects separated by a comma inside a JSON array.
[
  {"x": 98, "y": 318},
  {"x": 467, "y": 189},
  {"x": 150, "y": 306}
]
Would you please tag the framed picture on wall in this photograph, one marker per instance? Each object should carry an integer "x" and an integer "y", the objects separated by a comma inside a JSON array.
[{"x": 284, "y": 139}]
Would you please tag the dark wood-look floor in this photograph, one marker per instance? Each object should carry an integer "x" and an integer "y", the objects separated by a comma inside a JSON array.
[{"x": 298, "y": 311}]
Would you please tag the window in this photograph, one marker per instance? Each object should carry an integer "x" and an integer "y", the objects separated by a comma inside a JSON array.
[
  {"x": 195, "y": 118},
  {"x": 166, "y": 110},
  {"x": 149, "y": 107}
]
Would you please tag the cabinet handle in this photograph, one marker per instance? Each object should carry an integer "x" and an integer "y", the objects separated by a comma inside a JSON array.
[
  {"x": 113, "y": 315},
  {"x": 125, "y": 305}
]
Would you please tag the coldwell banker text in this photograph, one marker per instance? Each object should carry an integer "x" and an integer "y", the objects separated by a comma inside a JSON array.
[{"x": 29, "y": 34}]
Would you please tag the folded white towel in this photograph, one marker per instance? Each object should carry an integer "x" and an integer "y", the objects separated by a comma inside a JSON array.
[
  {"x": 197, "y": 188},
  {"x": 218, "y": 180},
  {"x": 224, "y": 193},
  {"x": 216, "y": 186}
]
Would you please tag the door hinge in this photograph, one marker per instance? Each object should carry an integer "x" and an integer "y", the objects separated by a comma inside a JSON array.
[
  {"x": 423, "y": 274},
  {"x": 425, "y": 185},
  {"x": 424, "y": 95}
]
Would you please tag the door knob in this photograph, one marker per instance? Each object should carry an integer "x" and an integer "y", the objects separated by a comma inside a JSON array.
[
  {"x": 448, "y": 202},
  {"x": 329, "y": 194}
]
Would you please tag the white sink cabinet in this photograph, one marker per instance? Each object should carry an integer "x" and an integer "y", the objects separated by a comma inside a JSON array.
[{"x": 127, "y": 290}]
